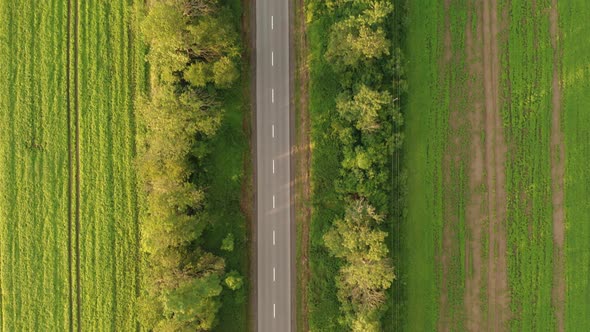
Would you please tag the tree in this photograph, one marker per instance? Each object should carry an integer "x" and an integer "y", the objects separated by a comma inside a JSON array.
[
  {"x": 364, "y": 108},
  {"x": 224, "y": 72},
  {"x": 228, "y": 242},
  {"x": 198, "y": 74},
  {"x": 234, "y": 281},
  {"x": 356, "y": 236},
  {"x": 368, "y": 271},
  {"x": 163, "y": 29},
  {"x": 192, "y": 43},
  {"x": 352, "y": 41},
  {"x": 210, "y": 38},
  {"x": 195, "y": 303}
]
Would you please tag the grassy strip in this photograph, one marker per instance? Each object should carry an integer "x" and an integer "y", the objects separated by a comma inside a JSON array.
[
  {"x": 302, "y": 164},
  {"x": 34, "y": 167},
  {"x": 576, "y": 98},
  {"x": 526, "y": 86},
  {"x": 426, "y": 115}
]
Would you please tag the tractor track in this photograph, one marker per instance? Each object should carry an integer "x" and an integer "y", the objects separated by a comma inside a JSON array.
[{"x": 73, "y": 115}]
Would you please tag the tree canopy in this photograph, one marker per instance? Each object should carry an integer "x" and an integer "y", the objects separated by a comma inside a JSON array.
[
  {"x": 368, "y": 272},
  {"x": 193, "y": 53},
  {"x": 361, "y": 54}
]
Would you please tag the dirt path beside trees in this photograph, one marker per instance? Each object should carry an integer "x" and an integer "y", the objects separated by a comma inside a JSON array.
[
  {"x": 557, "y": 177},
  {"x": 302, "y": 154}
]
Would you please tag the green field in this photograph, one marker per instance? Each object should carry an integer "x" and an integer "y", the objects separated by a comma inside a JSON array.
[
  {"x": 575, "y": 81},
  {"x": 111, "y": 73},
  {"x": 34, "y": 167},
  {"x": 526, "y": 69},
  {"x": 69, "y": 239},
  {"x": 527, "y": 66},
  {"x": 424, "y": 130}
]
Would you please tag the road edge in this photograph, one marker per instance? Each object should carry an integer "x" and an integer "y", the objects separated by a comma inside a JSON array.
[
  {"x": 251, "y": 17},
  {"x": 292, "y": 166}
]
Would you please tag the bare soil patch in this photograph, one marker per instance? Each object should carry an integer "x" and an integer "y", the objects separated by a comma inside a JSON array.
[
  {"x": 476, "y": 213},
  {"x": 495, "y": 158},
  {"x": 557, "y": 178}
]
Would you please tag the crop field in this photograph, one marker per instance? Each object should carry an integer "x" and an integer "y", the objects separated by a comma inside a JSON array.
[
  {"x": 67, "y": 176},
  {"x": 527, "y": 111},
  {"x": 111, "y": 59},
  {"x": 496, "y": 152},
  {"x": 575, "y": 82},
  {"x": 34, "y": 205}
]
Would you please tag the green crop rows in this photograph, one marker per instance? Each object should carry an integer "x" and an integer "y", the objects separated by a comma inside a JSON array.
[
  {"x": 426, "y": 119},
  {"x": 526, "y": 103},
  {"x": 34, "y": 167},
  {"x": 575, "y": 81},
  {"x": 527, "y": 64},
  {"x": 111, "y": 74},
  {"x": 38, "y": 205}
]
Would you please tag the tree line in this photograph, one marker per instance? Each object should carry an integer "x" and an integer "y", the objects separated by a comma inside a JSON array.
[
  {"x": 193, "y": 54},
  {"x": 367, "y": 66}
]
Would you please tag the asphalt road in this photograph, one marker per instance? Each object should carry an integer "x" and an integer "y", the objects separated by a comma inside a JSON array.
[{"x": 273, "y": 166}]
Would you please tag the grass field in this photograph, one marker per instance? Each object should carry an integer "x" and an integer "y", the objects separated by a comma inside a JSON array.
[
  {"x": 527, "y": 72},
  {"x": 575, "y": 81},
  {"x": 111, "y": 72},
  {"x": 437, "y": 293},
  {"x": 424, "y": 130},
  {"x": 69, "y": 226},
  {"x": 34, "y": 279}
]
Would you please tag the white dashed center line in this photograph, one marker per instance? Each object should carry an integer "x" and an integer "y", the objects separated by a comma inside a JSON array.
[
  {"x": 274, "y": 310},
  {"x": 272, "y": 58},
  {"x": 274, "y": 274},
  {"x": 273, "y": 166},
  {"x": 273, "y": 201},
  {"x": 272, "y": 95},
  {"x": 273, "y": 131},
  {"x": 272, "y": 22},
  {"x": 273, "y": 238}
]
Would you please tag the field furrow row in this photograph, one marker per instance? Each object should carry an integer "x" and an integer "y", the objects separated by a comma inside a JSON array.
[{"x": 69, "y": 234}]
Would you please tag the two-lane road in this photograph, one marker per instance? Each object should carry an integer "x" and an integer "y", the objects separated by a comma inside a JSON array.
[{"x": 273, "y": 166}]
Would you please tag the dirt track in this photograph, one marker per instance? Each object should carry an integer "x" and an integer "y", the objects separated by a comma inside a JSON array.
[
  {"x": 476, "y": 206},
  {"x": 302, "y": 153},
  {"x": 74, "y": 166},
  {"x": 557, "y": 178},
  {"x": 495, "y": 156}
]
